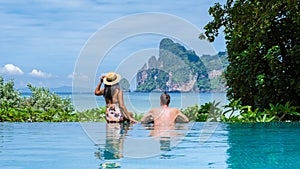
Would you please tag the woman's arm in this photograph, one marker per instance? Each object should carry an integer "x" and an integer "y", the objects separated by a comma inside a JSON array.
[
  {"x": 123, "y": 107},
  {"x": 98, "y": 91}
]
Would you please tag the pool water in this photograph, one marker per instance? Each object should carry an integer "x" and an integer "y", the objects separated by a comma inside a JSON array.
[{"x": 193, "y": 145}]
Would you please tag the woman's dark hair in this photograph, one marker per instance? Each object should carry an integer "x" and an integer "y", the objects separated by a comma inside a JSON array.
[
  {"x": 165, "y": 99},
  {"x": 109, "y": 90}
]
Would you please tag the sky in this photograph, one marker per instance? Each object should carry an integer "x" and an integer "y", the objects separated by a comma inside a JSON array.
[{"x": 43, "y": 42}]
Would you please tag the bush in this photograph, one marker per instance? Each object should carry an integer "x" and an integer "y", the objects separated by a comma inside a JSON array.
[
  {"x": 278, "y": 112},
  {"x": 98, "y": 115},
  {"x": 138, "y": 117},
  {"x": 207, "y": 112},
  {"x": 44, "y": 100},
  {"x": 8, "y": 96},
  {"x": 235, "y": 112},
  {"x": 41, "y": 106},
  {"x": 92, "y": 115}
]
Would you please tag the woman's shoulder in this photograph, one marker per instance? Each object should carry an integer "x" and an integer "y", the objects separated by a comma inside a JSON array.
[{"x": 119, "y": 91}]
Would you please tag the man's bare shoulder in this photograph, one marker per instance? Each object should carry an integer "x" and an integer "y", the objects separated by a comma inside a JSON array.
[
  {"x": 175, "y": 110},
  {"x": 152, "y": 114},
  {"x": 156, "y": 110}
]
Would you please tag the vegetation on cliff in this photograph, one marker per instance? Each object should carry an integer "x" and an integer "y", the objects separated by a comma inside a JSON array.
[{"x": 177, "y": 69}]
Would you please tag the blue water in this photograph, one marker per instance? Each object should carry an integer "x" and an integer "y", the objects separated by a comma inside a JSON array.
[
  {"x": 143, "y": 102},
  {"x": 193, "y": 145}
]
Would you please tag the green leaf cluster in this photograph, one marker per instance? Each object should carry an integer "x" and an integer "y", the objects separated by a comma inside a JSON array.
[
  {"x": 92, "y": 115},
  {"x": 42, "y": 105},
  {"x": 98, "y": 115},
  {"x": 235, "y": 112},
  {"x": 207, "y": 112},
  {"x": 8, "y": 96}
]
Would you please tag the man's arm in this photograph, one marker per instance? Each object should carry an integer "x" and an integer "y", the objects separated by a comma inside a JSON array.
[
  {"x": 181, "y": 118},
  {"x": 147, "y": 118}
]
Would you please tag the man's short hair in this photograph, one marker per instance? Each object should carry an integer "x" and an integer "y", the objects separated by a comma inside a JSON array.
[{"x": 165, "y": 99}]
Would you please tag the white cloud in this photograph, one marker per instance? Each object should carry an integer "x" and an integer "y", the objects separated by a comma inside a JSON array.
[
  {"x": 11, "y": 69},
  {"x": 39, "y": 73}
]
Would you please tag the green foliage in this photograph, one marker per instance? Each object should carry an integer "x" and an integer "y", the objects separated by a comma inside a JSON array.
[
  {"x": 215, "y": 112},
  {"x": 98, "y": 115},
  {"x": 283, "y": 112},
  {"x": 237, "y": 113},
  {"x": 44, "y": 100},
  {"x": 207, "y": 112},
  {"x": 137, "y": 116},
  {"x": 8, "y": 96},
  {"x": 263, "y": 48},
  {"x": 92, "y": 115},
  {"x": 41, "y": 106},
  {"x": 191, "y": 112}
]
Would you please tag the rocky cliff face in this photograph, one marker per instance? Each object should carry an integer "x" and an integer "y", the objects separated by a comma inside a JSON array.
[{"x": 176, "y": 69}]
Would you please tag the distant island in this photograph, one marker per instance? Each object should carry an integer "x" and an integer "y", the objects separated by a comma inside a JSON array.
[
  {"x": 62, "y": 89},
  {"x": 180, "y": 70}
]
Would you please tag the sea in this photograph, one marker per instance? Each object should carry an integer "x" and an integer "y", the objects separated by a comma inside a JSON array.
[
  {"x": 142, "y": 102},
  {"x": 139, "y": 102}
]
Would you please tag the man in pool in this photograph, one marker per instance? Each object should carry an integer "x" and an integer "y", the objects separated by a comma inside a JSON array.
[{"x": 164, "y": 115}]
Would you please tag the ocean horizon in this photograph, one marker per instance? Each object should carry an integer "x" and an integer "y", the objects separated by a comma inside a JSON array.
[{"x": 142, "y": 102}]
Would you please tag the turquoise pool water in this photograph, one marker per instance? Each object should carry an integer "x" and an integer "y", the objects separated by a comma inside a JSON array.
[{"x": 193, "y": 145}]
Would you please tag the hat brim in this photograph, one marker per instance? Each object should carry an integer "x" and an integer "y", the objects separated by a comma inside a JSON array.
[{"x": 112, "y": 82}]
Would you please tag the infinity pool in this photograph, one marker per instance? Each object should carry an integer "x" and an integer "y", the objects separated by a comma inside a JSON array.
[{"x": 193, "y": 145}]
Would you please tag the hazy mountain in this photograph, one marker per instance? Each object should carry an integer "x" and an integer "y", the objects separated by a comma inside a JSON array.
[{"x": 62, "y": 89}]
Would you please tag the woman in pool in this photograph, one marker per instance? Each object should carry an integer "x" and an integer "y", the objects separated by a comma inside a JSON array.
[{"x": 116, "y": 110}]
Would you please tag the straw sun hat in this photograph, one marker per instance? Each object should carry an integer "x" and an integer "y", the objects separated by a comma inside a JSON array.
[{"x": 111, "y": 78}]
